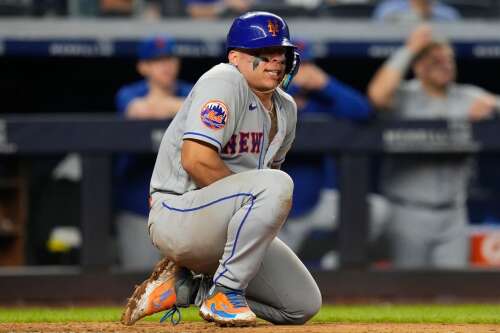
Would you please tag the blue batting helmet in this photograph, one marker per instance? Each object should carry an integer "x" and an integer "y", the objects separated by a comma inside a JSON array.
[{"x": 256, "y": 30}]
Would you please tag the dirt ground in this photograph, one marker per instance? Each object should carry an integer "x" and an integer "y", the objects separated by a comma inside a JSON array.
[{"x": 261, "y": 328}]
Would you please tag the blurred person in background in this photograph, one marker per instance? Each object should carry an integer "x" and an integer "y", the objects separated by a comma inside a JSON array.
[
  {"x": 427, "y": 193},
  {"x": 150, "y": 10},
  {"x": 414, "y": 11},
  {"x": 116, "y": 8},
  {"x": 315, "y": 197},
  {"x": 216, "y": 8},
  {"x": 158, "y": 96}
]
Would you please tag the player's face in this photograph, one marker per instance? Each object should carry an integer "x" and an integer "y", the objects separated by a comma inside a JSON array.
[
  {"x": 163, "y": 71},
  {"x": 438, "y": 67},
  {"x": 263, "y": 69}
]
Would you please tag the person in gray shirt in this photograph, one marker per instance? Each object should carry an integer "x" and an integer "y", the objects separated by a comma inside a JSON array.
[{"x": 427, "y": 193}]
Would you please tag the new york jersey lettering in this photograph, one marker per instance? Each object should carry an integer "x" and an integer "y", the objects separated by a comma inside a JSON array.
[
  {"x": 256, "y": 141},
  {"x": 230, "y": 147},
  {"x": 244, "y": 142}
]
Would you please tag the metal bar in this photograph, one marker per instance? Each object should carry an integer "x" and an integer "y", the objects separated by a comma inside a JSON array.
[
  {"x": 353, "y": 230},
  {"x": 96, "y": 211}
]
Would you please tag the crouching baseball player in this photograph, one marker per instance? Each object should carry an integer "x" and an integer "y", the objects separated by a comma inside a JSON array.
[{"x": 218, "y": 199}]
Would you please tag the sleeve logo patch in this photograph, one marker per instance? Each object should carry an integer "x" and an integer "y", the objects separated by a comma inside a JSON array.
[{"x": 214, "y": 114}]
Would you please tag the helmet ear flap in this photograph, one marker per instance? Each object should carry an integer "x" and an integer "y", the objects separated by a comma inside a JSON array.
[
  {"x": 290, "y": 58},
  {"x": 292, "y": 67}
]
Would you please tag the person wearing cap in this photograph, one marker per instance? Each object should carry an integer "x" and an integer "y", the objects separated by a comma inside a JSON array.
[
  {"x": 428, "y": 224},
  {"x": 315, "y": 197},
  {"x": 158, "y": 96}
]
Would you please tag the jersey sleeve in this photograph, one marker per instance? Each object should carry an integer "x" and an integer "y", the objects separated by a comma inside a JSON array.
[
  {"x": 471, "y": 94},
  {"x": 343, "y": 101},
  {"x": 212, "y": 113}
]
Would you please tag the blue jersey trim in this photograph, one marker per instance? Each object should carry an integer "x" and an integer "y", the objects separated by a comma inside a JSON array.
[
  {"x": 183, "y": 210},
  {"x": 262, "y": 143},
  {"x": 205, "y": 136}
]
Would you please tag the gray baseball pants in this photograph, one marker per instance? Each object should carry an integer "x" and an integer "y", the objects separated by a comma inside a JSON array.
[
  {"x": 228, "y": 229},
  {"x": 428, "y": 238}
]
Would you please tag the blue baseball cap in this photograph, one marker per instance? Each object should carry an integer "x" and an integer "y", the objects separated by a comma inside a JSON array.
[
  {"x": 305, "y": 49},
  {"x": 156, "y": 47}
]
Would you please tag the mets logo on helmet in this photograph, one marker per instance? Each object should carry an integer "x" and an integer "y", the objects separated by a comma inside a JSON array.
[
  {"x": 214, "y": 114},
  {"x": 273, "y": 27}
]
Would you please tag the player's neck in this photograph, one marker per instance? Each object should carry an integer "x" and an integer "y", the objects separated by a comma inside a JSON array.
[{"x": 266, "y": 98}]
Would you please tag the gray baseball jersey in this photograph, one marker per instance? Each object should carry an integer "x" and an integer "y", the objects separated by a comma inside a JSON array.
[
  {"x": 222, "y": 110},
  {"x": 428, "y": 192},
  {"x": 228, "y": 228}
]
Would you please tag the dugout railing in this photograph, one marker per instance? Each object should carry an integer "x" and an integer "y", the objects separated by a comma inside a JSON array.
[{"x": 96, "y": 138}]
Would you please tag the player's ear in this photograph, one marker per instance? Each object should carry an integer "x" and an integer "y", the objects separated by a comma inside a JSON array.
[{"x": 233, "y": 57}]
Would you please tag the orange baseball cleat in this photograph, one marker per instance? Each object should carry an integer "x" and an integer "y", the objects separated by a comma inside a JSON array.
[
  {"x": 155, "y": 294},
  {"x": 227, "y": 307}
]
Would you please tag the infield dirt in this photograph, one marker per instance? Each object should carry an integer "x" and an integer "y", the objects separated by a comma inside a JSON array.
[{"x": 261, "y": 328}]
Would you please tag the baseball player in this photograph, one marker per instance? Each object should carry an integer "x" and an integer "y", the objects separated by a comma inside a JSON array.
[
  {"x": 427, "y": 194},
  {"x": 218, "y": 198}
]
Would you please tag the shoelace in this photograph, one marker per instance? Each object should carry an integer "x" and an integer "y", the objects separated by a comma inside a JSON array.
[
  {"x": 172, "y": 314},
  {"x": 237, "y": 299}
]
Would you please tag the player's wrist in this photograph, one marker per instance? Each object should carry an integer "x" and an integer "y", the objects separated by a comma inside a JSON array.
[{"x": 401, "y": 60}]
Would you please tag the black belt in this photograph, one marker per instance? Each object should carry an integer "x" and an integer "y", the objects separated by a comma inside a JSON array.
[{"x": 425, "y": 205}]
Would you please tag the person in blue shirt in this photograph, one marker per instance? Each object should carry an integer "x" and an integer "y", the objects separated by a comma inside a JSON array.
[
  {"x": 315, "y": 197},
  {"x": 415, "y": 11},
  {"x": 158, "y": 96}
]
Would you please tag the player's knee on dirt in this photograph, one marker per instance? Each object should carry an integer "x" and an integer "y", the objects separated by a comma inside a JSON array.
[
  {"x": 308, "y": 308},
  {"x": 312, "y": 308},
  {"x": 298, "y": 309}
]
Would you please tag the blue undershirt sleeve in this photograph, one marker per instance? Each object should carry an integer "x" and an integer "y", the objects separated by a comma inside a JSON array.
[{"x": 345, "y": 101}]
